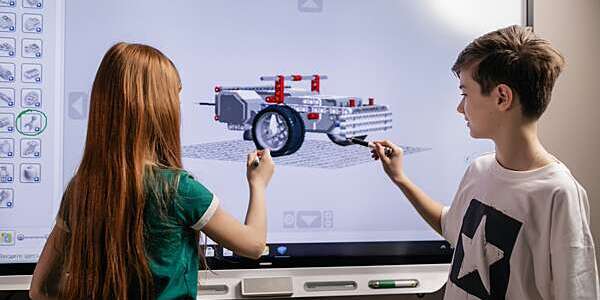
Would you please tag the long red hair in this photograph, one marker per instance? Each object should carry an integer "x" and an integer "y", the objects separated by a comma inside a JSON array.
[{"x": 133, "y": 126}]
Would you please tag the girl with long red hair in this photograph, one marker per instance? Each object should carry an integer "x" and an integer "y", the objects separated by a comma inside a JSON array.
[{"x": 128, "y": 223}]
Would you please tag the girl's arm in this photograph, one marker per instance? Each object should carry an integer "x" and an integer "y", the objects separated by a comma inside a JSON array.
[
  {"x": 246, "y": 239},
  {"x": 47, "y": 274}
]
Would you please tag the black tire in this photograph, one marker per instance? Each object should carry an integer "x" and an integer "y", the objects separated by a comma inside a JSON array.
[
  {"x": 338, "y": 140},
  {"x": 289, "y": 134},
  {"x": 300, "y": 140}
]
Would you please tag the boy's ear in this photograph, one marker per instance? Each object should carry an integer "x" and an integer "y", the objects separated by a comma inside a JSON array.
[{"x": 505, "y": 97}]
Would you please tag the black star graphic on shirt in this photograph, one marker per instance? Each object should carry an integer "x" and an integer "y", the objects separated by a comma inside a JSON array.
[{"x": 487, "y": 237}]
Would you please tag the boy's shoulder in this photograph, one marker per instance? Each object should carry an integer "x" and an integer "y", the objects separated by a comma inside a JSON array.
[
  {"x": 481, "y": 163},
  {"x": 555, "y": 176}
]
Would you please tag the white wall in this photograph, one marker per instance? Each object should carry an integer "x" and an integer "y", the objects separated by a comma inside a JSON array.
[{"x": 571, "y": 127}]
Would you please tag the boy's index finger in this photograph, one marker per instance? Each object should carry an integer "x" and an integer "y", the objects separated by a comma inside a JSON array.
[
  {"x": 388, "y": 143},
  {"x": 381, "y": 152},
  {"x": 382, "y": 143},
  {"x": 394, "y": 147},
  {"x": 378, "y": 142}
]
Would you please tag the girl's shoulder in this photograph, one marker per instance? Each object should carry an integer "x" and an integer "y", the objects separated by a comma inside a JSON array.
[{"x": 182, "y": 180}]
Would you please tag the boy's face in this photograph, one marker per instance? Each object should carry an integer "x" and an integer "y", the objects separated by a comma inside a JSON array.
[{"x": 479, "y": 110}]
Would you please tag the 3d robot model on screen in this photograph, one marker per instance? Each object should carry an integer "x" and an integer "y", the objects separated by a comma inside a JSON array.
[{"x": 277, "y": 117}]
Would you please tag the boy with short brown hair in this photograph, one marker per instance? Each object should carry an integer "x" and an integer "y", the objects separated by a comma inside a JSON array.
[{"x": 519, "y": 222}]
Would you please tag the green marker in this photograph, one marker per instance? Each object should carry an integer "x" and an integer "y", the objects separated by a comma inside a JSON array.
[{"x": 393, "y": 283}]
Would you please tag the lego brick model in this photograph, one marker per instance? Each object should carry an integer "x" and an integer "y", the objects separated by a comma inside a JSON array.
[
  {"x": 7, "y": 99},
  {"x": 6, "y": 74},
  {"x": 277, "y": 117},
  {"x": 31, "y": 73},
  {"x": 32, "y": 24},
  {"x": 6, "y": 23},
  {"x": 31, "y": 98},
  {"x": 32, "y": 49},
  {"x": 6, "y": 47}
]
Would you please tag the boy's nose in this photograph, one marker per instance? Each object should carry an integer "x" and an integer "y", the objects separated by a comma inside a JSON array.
[{"x": 461, "y": 107}]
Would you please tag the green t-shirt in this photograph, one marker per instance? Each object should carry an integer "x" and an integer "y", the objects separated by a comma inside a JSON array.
[{"x": 171, "y": 244}]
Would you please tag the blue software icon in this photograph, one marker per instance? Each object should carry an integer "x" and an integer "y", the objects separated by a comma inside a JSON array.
[{"x": 281, "y": 250}]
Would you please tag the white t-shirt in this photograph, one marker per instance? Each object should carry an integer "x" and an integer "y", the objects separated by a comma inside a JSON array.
[{"x": 520, "y": 235}]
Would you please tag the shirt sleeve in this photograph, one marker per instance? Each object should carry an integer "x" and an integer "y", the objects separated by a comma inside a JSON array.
[
  {"x": 452, "y": 215},
  {"x": 196, "y": 203},
  {"x": 449, "y": 222},
  {"x": 443, "y": 221},
  {"x": 572, "y": 253}
]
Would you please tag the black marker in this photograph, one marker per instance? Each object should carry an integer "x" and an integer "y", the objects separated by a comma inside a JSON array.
[
  {"x": 255, "y": 161},
  {"x": 387, "y": 150}
]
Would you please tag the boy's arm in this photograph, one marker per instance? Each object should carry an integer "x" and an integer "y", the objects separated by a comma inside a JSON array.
[
  {"x": 47, "y": 274},
  {"x": 572, "y": 253},
  {"x": 428, "y": 208}
]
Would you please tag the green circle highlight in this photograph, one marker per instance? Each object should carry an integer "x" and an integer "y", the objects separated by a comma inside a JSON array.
[{"x": 21, "y": 114}]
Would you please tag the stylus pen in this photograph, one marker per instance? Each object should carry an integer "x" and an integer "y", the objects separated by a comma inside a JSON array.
[
  {"x": 393, "y": 283},
  {"x": 387, "y": 150}
]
